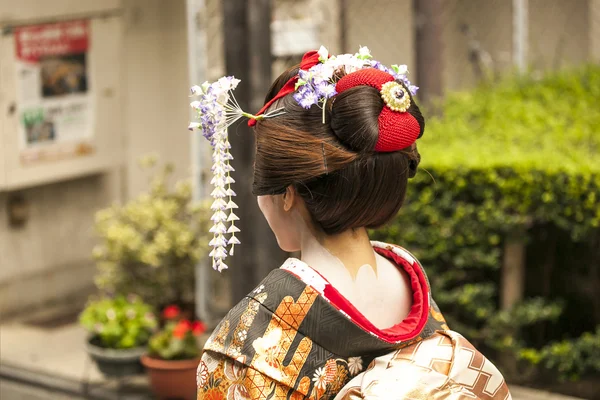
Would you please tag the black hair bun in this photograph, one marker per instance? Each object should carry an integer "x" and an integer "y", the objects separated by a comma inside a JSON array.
[{"x": 354, "y": 117}]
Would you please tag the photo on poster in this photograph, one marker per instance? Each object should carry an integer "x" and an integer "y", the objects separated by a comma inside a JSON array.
[
  {"x": 63, "y": 74},
  {"x": 38, "y": 128}
]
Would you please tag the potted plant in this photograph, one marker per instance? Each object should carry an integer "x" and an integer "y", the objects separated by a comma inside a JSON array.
[
  {"x": 173, "y": 356},
  {"x": 119, "y": 329},
  {"x": 151, "y": 245}
]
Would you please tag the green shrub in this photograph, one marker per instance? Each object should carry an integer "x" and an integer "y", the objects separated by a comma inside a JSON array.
[
  {"x": 499, "y": 162},
  {"x": 571, "y": 358},
  {"x": 151, "y": 244},
  {"x": 118, "y": 323}
]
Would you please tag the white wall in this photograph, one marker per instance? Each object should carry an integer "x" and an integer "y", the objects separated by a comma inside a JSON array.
[
  {"x": 559, "y": 33},
  {"x": 491, "y": 25},
  {"x": 594, "y": 34},
  {"x": 48, "y": 259},
  {"x": 386, "y": 27},
  {"x": 36, "y": 10},
  {"x": 156, "y": 86}
]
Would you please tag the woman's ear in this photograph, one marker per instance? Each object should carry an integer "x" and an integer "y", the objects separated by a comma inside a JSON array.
[{"x": 289, "y": 197}]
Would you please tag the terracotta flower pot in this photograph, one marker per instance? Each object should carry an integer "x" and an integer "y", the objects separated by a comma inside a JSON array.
[{"x": 172, "y": 379}]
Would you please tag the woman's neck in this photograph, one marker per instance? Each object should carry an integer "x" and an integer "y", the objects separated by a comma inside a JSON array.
[{"x": 350, "y": 249}]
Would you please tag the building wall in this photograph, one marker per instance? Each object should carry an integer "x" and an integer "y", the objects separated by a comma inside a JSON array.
[
  {"x": 386, "y": 27},
  {"x": 212, "y": 19},
  {"x": 594, "y": 34},
  {"x": 29, "y": 10},
  {"x": 48, "y": 259},
  {"x": 559, "y": 33},
  {"x": 156, "y": 87},
  {"x": 327, "y": 17},
  {"x": 490, "y": 28},
  {"x": 323, "y": 14}
]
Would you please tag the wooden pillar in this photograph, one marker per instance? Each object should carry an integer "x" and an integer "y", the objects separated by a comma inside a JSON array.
[
  {"x": 513, "y": 273},
  {"x": 429, "y": 47},
  {"x": 511, "y": 291},
  {"x": 246, "y": 29}
]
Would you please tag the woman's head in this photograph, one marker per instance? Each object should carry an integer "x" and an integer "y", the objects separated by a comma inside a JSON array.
[{"x": 325, "y": 161}]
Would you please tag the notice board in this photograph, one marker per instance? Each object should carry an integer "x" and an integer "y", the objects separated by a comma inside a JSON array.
[{"x": 60, "y": 92}]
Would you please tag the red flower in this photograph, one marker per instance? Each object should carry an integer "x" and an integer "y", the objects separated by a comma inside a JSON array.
[
  {"x": 182, "y": 328},
  {"x": 198, "y": 328},
  {"x": 171, "y": 312}
]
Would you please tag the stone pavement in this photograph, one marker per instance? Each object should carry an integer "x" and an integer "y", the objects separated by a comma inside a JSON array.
[
  {"x": 12, "y": 390},
  {"x": 47, "y": 363},
  {"x": 50, "y": 362}
]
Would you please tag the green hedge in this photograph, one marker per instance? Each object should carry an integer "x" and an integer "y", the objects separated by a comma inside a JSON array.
[{"x": 503, "y": 160}]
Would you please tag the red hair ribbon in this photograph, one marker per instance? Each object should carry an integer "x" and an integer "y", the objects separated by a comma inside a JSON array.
[
  {"x": 397, "y": 130},
  {"x": 309, "y": 60}
]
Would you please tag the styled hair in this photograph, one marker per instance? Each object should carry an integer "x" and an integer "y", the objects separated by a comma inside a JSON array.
[{"x": 333, "y": 166}]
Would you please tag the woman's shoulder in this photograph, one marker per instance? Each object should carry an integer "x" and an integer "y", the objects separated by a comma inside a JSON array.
[
  {"x": 293, "y": 299},
  {"x": 397, "y": 250},
  {"x": 284, "y": 336}
]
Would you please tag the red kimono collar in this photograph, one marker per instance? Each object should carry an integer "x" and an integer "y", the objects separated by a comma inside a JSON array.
[{"x": 409, "y": 328}]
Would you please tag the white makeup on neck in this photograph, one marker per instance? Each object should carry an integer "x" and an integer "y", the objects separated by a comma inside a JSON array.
[
  {"x": 381, "y": 292},
  {"x": 376, "y": 287}
]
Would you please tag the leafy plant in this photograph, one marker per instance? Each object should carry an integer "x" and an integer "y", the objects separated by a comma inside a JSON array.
[
  {"x": 151, "y": 245},
  {"x": 501, "y": 163},
  {"x": 119, "y": 323},
  {"x": 572, "y": 358},
  {"x": 178, "y": 338}
]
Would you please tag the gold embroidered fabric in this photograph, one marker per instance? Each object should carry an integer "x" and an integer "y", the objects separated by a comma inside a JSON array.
[{"x": 443, "y": 367}]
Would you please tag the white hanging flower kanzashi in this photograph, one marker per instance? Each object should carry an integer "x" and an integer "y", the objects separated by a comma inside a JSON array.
[{"x": 217, "y": 109}]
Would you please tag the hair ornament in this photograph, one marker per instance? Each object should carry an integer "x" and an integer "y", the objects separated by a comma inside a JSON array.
[
  {"x": 217, "y": 109},
  {"x": 316, "y": 79},
  {"x": 398, "y": 128},
  {"x": 395, "y": 96}
]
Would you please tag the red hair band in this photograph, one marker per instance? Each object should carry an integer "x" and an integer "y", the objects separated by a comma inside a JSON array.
[{"x": 309, "y": 60}]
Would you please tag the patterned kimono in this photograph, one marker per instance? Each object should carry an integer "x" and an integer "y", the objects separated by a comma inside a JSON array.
[{"x": 296, "y": 337}]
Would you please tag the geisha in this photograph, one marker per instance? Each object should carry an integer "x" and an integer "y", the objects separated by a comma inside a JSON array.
[{"x": 351, "y": 318}]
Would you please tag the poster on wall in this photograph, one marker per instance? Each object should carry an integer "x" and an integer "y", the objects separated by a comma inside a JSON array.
[{"x": 54, "y": 97}]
